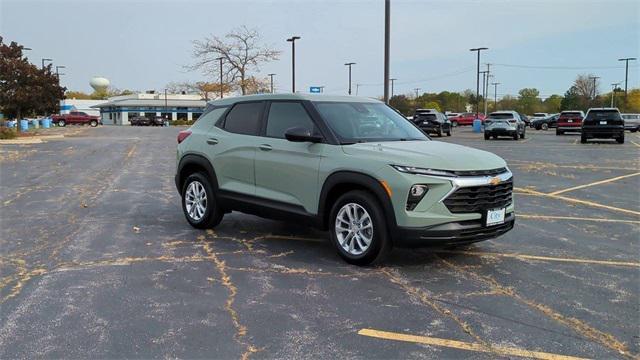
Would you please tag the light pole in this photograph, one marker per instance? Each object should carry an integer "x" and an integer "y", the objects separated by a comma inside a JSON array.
[
  {"x": 613, "y": 92},
  {"x": 292, "y": 40},
  {"x": 495, "y": 95},
  {"x": 221, "y": 86},
  {"x": 58, "y": 67},
  {"x": 321, "y": 89},
  {"x": 271, "y": 76},
  {"x": 349, "y": 65},
  {"x": 626, "y": 75},
  {"x": 416, "y": 90},
  {"x": 387, "y": 41},
  {"x": 392, "y": 81},
  {"x": 43, "y": 60},
  {"x": 478, "y": 77}
]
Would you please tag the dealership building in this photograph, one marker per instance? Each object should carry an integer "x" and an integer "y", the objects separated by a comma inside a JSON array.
[{"x": 118, "y": 110}]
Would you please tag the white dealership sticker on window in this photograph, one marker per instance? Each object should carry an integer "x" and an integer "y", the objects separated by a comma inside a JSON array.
[{"x": 495, "y": 217}]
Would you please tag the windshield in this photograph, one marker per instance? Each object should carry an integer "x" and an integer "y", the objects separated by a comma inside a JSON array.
[
  {"x": 571, "y": 114},
  {"x": 366, "y": 122}
]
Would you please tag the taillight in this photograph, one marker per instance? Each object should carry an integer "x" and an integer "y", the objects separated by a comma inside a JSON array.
[{"x": 183, "y": 135}]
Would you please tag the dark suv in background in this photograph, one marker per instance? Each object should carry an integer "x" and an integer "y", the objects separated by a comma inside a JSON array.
[
  {"x": 432, "y": 121},
  {"x": 603, "y": 123}
]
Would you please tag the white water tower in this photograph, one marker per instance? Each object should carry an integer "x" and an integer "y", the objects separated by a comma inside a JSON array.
[{"x": 98, "y": 83}]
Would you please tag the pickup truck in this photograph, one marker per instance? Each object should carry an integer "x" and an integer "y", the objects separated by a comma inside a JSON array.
[{"x": 75, "y": 117}]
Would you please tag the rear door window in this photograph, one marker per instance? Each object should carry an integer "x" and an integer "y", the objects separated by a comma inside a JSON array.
[
  {"x": 244, "y": 118},
  {"x": 286, "y": 115},
  {"x": 603, "y": 115}
]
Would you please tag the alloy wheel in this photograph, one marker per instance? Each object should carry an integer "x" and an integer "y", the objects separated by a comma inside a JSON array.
[
  {"x": 354, "y": 229},
  {"x": 196, "y": 200}
]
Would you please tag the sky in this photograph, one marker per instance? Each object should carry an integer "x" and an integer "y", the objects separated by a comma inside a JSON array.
[{"x": 144, "y": 44}]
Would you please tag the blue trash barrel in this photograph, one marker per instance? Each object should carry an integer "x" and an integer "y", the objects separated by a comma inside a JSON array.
[
  {"x": 46, "y": 123},
  {"x": 24, "y": 125},
  {"x": 477, "y": 125}
]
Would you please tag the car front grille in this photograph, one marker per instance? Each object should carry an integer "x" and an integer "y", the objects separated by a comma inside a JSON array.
[
  {"x": 492, "y": 172},
  {"x": 478, "y": 198}
]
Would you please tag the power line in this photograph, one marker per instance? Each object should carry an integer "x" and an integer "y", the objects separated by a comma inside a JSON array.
[{"x": 555, "y": 67}]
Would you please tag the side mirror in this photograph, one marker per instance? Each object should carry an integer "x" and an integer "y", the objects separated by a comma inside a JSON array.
[{"x": 301, "y": 134}]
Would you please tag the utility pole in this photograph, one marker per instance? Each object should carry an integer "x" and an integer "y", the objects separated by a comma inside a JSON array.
[
  {"x": 487, "y": 87},
  {"x": 613, "y": 92},
  {"x": 595, "y": 91},
  {"x": 495, "y": 95},
  {"x": 221, "y": 86},
  {"x": 416, "y": 90},
  {"x": 43, "y": 60},
  {"x": 392, "y": 81},
  {"x": 485, "y": 80},
  {"x": 357, "y": 88},
  {"x": 292, "y": 40},
  {"x": 349, "y": 65},
  {"x": 321, "y": 89},
  {"x": 387, "y": 40},
  {"x": 271, "y": 76},
  {"x": 626, "y": 75},
  {"x": 478, "y": 77}
]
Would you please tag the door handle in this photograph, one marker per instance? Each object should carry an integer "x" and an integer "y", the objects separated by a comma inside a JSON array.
[
  {"x": 265, "y": 147},
  {"x": 212, "y": 141}
]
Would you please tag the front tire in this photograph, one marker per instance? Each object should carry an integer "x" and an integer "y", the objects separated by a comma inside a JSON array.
[
  {"x": 559, "y": 132},
  {"x": 454, "y": 123},
  {"x": 358, "y": 229},
  {"x": 199, "y": 202},
  {"x": 61, "y": 123},
  {"x": 93, "y": 123},
  {"x": 544, "y": 127}
]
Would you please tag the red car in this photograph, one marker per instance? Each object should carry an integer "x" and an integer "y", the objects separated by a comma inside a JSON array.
[
  {"x": 570, "y": 120},
  {"x": 465, "y": 119},
  {"x": 76, "y": 117}
]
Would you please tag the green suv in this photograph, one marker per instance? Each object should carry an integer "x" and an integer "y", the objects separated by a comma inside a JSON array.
[{"x": 352, "y": 166}]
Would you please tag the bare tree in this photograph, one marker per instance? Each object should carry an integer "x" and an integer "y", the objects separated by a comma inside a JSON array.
[
  {"x": 242, "y": 53},
  {"x": 585, "y": 86},
  {"x": 208, "y": 90}
]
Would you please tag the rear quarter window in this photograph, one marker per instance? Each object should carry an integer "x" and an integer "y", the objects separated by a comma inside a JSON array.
[{"x": 244, "y": 118}]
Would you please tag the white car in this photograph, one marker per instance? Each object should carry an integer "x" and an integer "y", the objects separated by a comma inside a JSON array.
[{"x": 631, "y": 122}]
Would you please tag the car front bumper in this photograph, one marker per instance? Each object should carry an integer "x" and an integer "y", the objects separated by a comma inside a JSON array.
[{"x": 452, "y": 233}]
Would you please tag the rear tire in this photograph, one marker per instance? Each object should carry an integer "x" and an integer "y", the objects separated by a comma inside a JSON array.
[
  {"x": 523, "y": 134},
  {"x": 544, "y": 127},
  {"x": 559, "y": 132},
  {"x": 449, "y": 133},
  {"x": 454, "y": 123},
  {"x": 515, "y": 136},
  {"x": 61, "y": 123},
  {"x": 368, "y": 221},
  {"x": 583, "y": 139},
  {"x": 212, "y": 214},
  {"x": 620, "y": 139},
  {"x": 487, "y": 136},
  {"x": 93, "y": 123}
]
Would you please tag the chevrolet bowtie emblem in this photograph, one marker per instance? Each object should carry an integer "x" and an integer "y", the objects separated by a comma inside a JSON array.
[{"x": 494, "y": 180}]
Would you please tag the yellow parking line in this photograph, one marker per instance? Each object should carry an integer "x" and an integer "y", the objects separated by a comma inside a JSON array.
[
  {"x": 635, "y": 143},
  {"x": 594, "y": 183},
  {"x": 543, "y": 258},
  {"x": 463, "y": 345},
  {"x": 573, "y": 218},
  {"x": 523, "y": 191}
]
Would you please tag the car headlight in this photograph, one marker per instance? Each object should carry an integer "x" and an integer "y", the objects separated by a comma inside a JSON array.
[{"x": 423, "y": 171}]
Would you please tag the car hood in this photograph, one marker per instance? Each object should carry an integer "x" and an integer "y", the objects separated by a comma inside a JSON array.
[{"x": 427, "y": 154}]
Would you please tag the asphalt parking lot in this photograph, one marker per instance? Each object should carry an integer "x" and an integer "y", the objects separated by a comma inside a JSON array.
[{"x": 97, "y": 261}]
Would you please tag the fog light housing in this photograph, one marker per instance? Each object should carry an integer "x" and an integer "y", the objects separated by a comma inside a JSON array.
[{"x": 416, "y": 193}]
